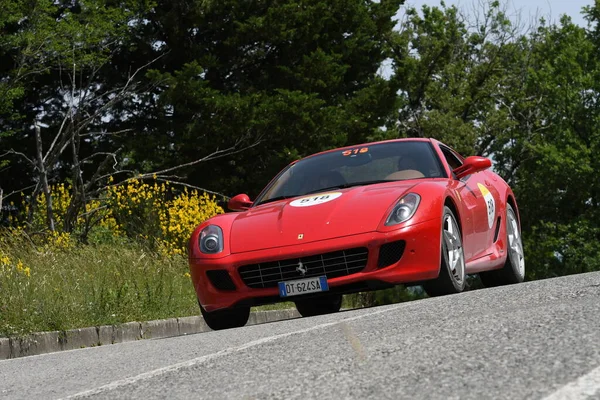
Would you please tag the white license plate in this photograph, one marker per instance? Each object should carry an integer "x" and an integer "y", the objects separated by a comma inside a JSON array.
[{"x": 303, "y": 286}]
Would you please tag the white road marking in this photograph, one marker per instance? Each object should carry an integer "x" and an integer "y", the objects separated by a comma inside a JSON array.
[
  {"x": 584, "y": 387},
  {"x": 222, "y": 353}
]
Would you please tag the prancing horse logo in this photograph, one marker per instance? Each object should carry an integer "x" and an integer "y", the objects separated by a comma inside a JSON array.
[{"x": 301, "y": 268}]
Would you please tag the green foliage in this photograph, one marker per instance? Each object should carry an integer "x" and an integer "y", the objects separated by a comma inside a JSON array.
[
  {"x": 88, "y": 286},
  {"x": 298, "y": 76},
  {"x": 451, "y": 71},
  {"x": 42, "y": 37},
  {"x": 556, "y": 170}
]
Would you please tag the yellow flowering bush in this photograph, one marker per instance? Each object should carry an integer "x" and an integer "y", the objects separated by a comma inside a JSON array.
[
  {"x": 9, "y": 268},
  {"x": 134, "y": 207},
  {"x": 4, "y": 260},
  {"x": 58, "y": 240},
  {"x": 61, "y": 198},
  {"x": 98, "y": 210},
  {"x": 155, "y": 214},
  {"x": 181, "y": 215}
]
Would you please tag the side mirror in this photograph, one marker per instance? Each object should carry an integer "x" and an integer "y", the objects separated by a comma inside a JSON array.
[
  {"x": 240, "y": 202},
  {"x": 471, "y": 165}
]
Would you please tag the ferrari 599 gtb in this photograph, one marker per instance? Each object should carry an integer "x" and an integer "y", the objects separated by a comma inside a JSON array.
[{"x": 358, "y": 218}]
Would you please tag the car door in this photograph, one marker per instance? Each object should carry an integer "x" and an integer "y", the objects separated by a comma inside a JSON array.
[
  {"x": 489, "y": 192},
  {"x": 475, "y": 202}
]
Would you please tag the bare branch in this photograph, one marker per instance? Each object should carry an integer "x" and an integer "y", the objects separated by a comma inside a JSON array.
[
  {"x": 101, "y": 153},
  {"x": 113, "y": 174},
  {"x": 191, "y": 187},
  {"x": 216, "y": 154},
  {"x": 19, "y": 191},
  {"x": 120, "y": 92},
  {"x": 18, "y": 153},
  {"x": 96, "y": 177},
  {"x": 92, "y": 211},
  {"x": 106, "y": 133},
  {"x": 58, "y": 135}
]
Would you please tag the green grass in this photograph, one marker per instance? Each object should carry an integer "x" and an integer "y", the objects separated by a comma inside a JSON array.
[{"x": 91, "y": 285}]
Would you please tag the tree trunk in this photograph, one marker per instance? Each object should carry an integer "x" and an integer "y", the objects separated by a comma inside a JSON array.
[
  {"x": 78, "y": 196},
  {"x": 44, "y": 178}
]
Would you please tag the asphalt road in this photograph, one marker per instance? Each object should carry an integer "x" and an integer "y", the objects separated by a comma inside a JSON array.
[{"x": 536, "y": 340}]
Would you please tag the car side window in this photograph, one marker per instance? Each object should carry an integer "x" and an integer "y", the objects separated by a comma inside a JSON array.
[{"x": 453, "y": 161}]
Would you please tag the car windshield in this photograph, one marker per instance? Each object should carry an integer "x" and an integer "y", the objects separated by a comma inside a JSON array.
[{"x": 355, "y": 166}]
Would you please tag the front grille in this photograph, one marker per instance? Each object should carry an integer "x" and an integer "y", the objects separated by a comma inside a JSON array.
[
  {"x": 390, "y": 253},
  {"x": 332, "y": 265},
  {"x": 220, "y": 279}
]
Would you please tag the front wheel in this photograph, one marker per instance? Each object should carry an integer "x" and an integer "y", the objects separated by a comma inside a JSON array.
[
  {"x": 452, "y": 269},
  {"x": 319, "y": 305},
  {"x": 514, "y": 268},
  {"x": 226, "y": 319}
]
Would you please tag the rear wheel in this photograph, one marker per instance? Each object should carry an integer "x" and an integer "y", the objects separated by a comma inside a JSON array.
[
  {"x": 452, "y": 269},
  {"x": 225, "y": 319},
  {"x": 319, "y": 305},
  {"x": 514, "y": 268}
]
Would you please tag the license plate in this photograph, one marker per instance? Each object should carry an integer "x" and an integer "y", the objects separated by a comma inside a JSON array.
[{"x": 303, "y": 286}]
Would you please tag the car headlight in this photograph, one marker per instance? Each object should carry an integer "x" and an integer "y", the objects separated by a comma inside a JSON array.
[
  {"x": 211, "y": 240},
  {"x": 404, "y": 209}
]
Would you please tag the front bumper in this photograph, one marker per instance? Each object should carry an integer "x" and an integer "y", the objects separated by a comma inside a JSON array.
[{"x": 420, "y": 261}]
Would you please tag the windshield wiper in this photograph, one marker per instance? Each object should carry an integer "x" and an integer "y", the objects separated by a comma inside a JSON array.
[{"x": 275, "y": 199}]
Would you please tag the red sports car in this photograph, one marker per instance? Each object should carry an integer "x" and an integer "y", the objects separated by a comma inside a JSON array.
[{"x": 365, "y": 217}]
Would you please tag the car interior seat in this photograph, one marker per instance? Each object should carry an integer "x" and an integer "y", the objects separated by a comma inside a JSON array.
[{"x": 408, "y": 168}]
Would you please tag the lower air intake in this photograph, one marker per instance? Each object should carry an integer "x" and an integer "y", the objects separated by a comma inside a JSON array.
[
  {"x": 220, "y": 279},
  {"x": 390, "y": 253}
]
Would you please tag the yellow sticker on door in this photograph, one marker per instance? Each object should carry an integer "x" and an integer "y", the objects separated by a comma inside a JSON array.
[{"x": 490, "y": 204}]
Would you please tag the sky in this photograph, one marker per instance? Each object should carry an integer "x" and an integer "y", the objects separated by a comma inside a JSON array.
[{"x": 551, "y": 10}]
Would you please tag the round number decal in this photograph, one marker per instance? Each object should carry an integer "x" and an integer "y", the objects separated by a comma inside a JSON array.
[
  {"x": 489, "y": 203},
  {"x": 314, "y": 200}
]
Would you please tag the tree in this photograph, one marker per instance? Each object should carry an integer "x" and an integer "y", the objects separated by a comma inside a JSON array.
[
  {"x": 451, "y": 69},
  {"x": 56, "y": 52},
  {"x": 62, "y": 55},
  {"x": 299, "y": 75},
  {"x": 556, "y": 176}
]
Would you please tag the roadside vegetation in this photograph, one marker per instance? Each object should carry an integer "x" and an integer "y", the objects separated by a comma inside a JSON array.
[
  {"x": 124, "y": 124},
  {"x": 131, "y": 266},
  {"x": 54, "y": 288}
]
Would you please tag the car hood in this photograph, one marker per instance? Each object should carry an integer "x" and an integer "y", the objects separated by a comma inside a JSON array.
[{"x": 315, "y": 217}]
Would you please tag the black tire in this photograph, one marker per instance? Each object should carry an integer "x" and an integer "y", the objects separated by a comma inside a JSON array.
[
  {"x": 449, "y": 281},
  {"x": 319, "y": 305},
  {"x": 510, "y": 273},
  {"x": 226, "y": 319}
]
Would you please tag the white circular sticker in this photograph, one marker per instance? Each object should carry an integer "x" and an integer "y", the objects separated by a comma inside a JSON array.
[{"x": 314, "y": 200}]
